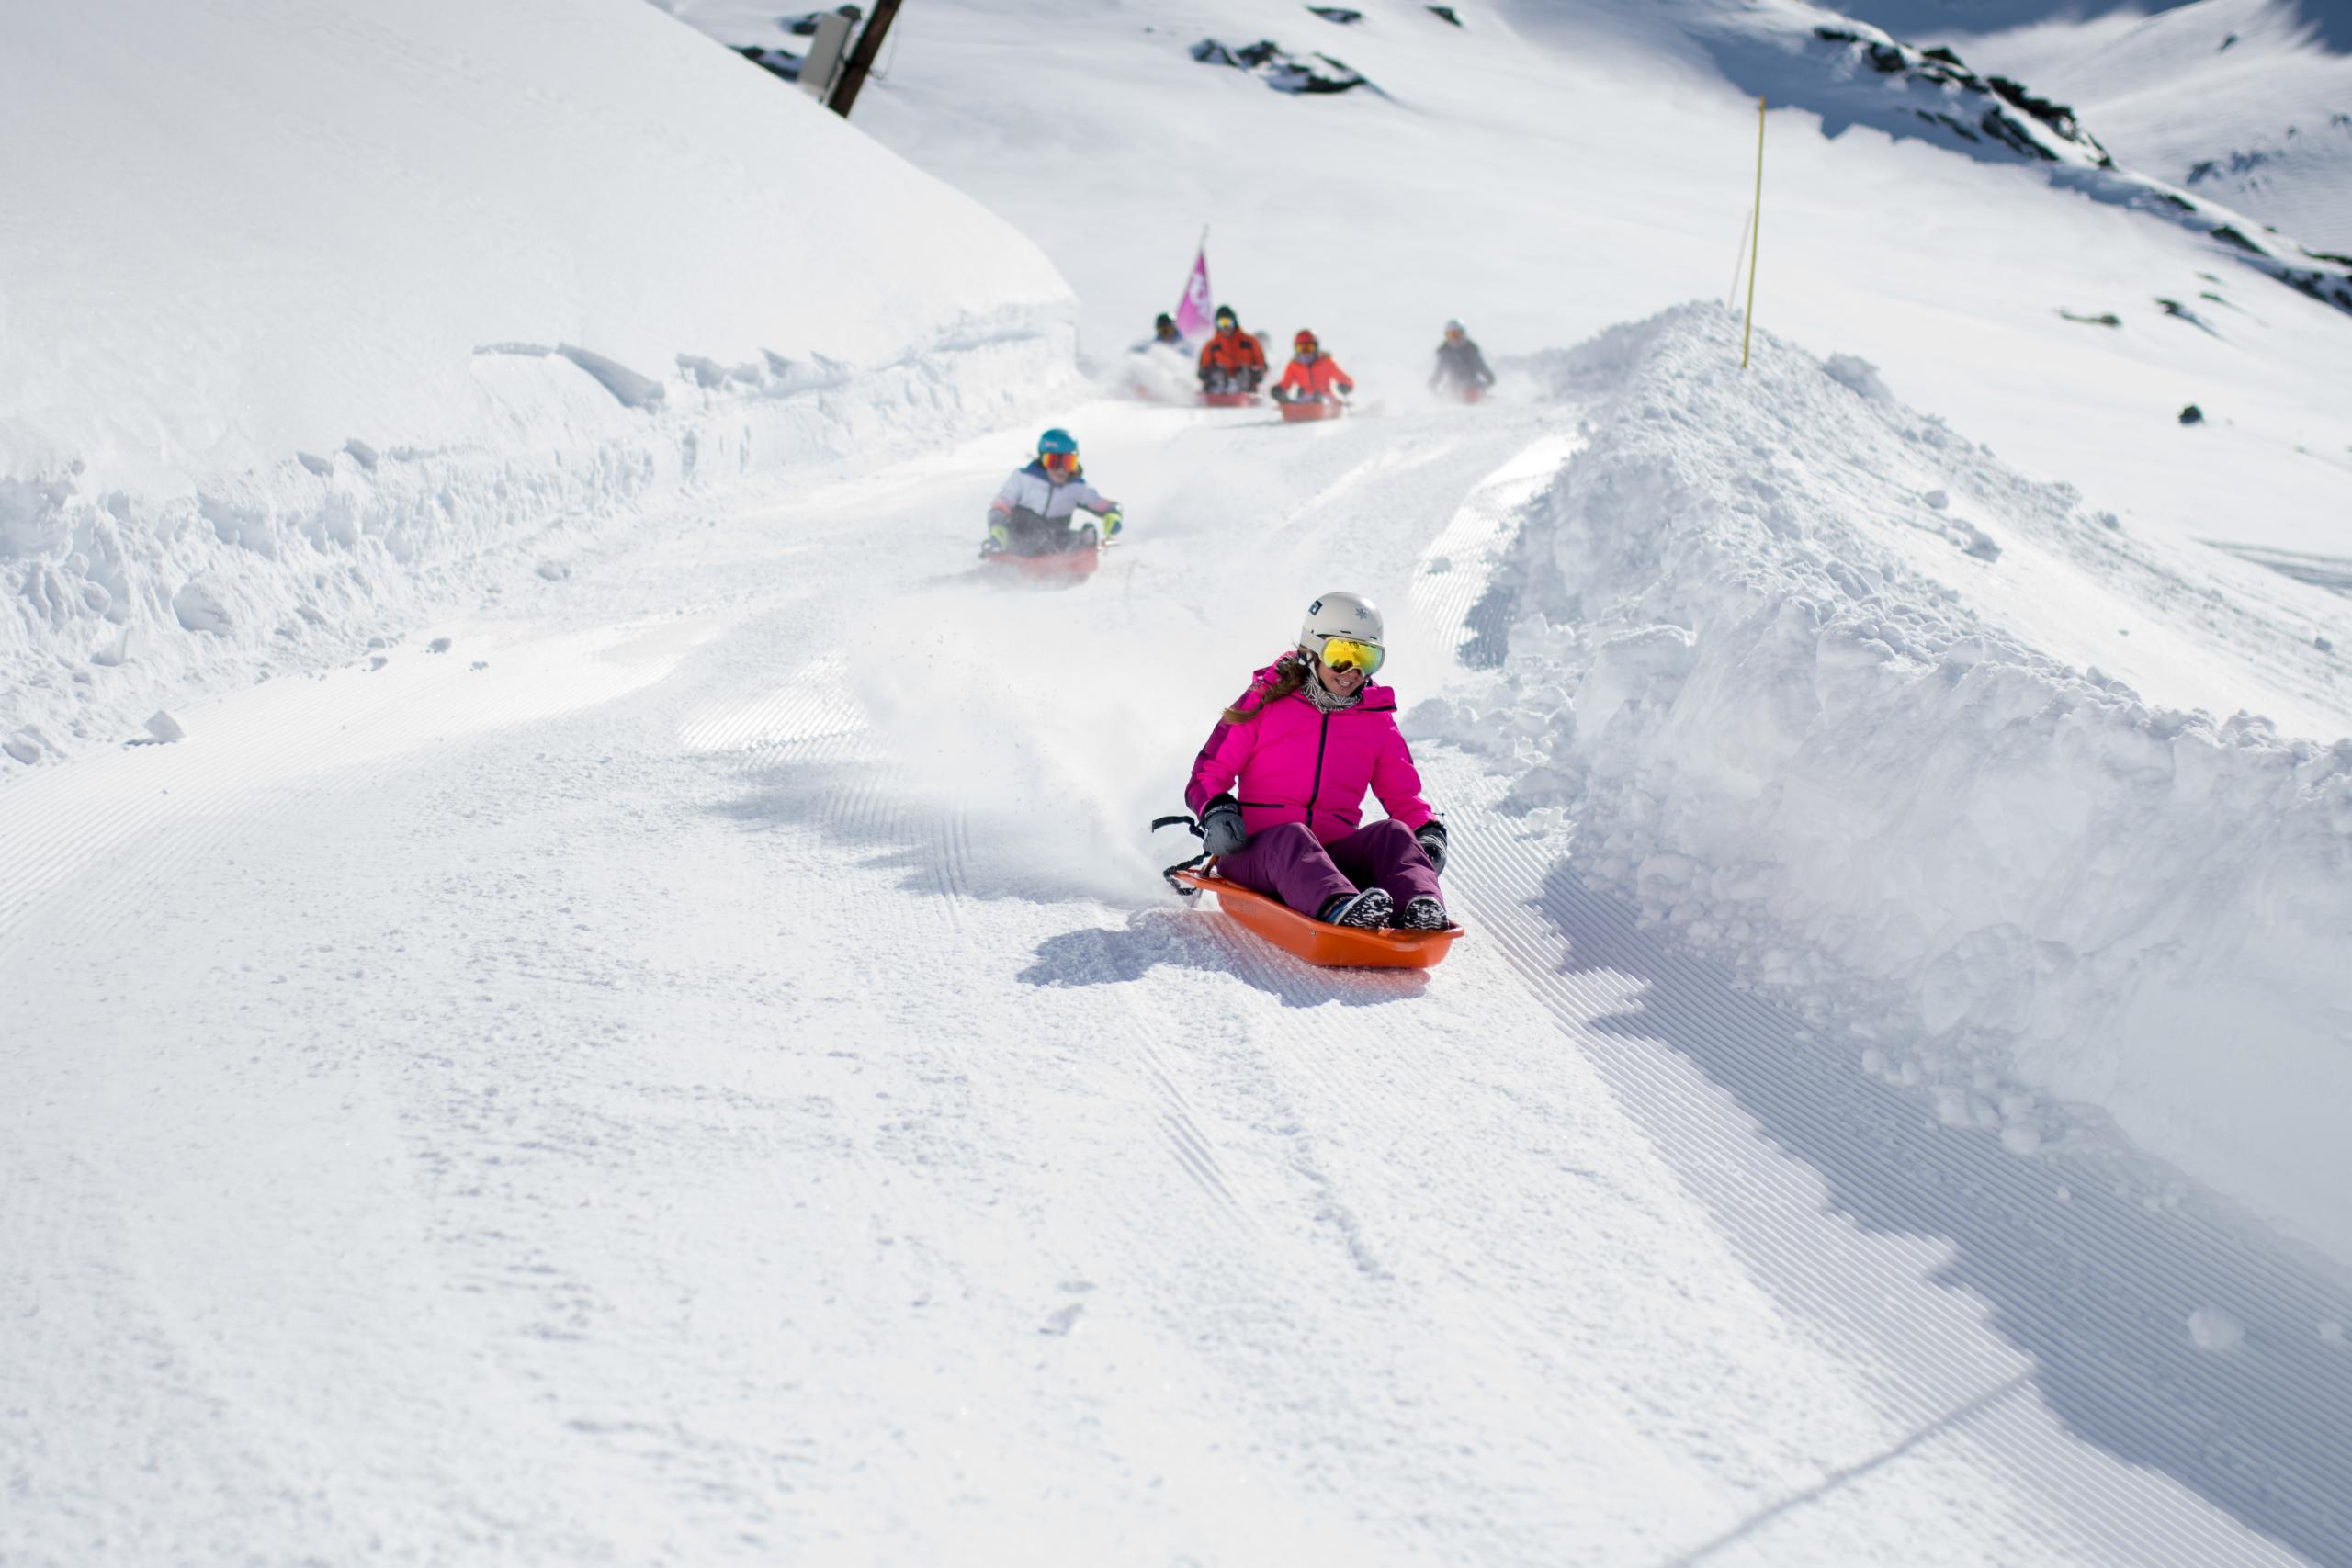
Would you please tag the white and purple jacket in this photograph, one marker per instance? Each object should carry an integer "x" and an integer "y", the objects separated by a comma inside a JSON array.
[{"x": 1030, "y": 489}]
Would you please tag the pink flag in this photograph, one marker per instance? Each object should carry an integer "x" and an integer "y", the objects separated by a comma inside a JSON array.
[{"x": 1193, "y": 313}]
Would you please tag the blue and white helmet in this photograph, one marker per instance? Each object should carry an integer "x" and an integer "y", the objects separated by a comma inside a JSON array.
[{"x": 1351, "y": 618}]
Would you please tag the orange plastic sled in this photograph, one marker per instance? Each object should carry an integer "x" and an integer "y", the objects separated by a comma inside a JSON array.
[
  {"x": 1228, "y": 400},
  {"x": 1317, "y": 941},
  {"x": 1329, "y": 408}
]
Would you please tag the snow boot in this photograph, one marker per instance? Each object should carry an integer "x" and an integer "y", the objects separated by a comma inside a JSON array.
[
  {"x": 1422, "y": 913},
  {"x": 1368, "y": 909}
]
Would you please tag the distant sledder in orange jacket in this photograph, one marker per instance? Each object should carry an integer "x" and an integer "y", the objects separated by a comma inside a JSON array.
[
  {"x": 1231, "y": 361},
  {"x": 1312, "y": 375}
]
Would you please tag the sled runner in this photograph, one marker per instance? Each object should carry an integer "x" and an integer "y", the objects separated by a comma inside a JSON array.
[
  {"x": 1320, "y": 408},
  {"x": 1303, "y": 936}
]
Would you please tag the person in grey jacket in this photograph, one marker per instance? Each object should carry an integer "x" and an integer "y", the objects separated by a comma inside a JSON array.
[
  {"x": 1458, "y": 364},
  {"x": 1034, "y": 513}
]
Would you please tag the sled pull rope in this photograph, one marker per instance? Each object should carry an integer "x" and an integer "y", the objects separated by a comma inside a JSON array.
[{"x": 1197, "y": 863}]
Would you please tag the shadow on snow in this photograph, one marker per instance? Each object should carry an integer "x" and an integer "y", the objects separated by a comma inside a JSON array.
[{"x": 2093, "y": 1285}]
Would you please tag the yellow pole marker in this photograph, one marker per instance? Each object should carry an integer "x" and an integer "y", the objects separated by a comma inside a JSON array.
[{"x": 1756, "y": 237}]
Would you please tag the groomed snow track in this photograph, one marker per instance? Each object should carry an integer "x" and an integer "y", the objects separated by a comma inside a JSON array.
[{"x": 723, "y": 1082}]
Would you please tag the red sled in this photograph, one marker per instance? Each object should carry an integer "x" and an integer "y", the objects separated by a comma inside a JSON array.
[
  {"x": 1321, "y": 408},
  {"x": 1473, "y": 393},
  {"x": 1319, "y": 941},
  {"x": 1228, "y": 400},
  {"x": 1068, "y": 568}
]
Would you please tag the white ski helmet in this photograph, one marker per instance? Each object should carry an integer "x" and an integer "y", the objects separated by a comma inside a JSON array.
[{"x": 1349, "y": 616}]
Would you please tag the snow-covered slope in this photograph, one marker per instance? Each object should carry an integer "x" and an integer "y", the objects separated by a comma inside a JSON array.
[
  {"x": 689, "y": 1058},
  {"x": 2244, "y": 101},
  {"x": 1545, "y": 170},
  {"x": 724, "y": 1083},
  {"x": 307, "y": 314}
]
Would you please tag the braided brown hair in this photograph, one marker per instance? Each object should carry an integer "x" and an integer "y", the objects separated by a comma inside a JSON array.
[{"x": 1291, "y": 672}]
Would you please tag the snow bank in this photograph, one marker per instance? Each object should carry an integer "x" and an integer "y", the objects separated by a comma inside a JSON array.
[
  {"x": 1779, "y": 651},
  {"x": 306, "y": 315}
]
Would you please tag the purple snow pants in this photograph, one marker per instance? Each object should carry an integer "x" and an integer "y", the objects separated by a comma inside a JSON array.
[{"x": 1285, "y": 863}]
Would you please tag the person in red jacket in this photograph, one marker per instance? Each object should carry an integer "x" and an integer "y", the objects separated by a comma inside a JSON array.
[
  {"x": 1312, "y": 375},
  {"x": 1231, "y": 361}
]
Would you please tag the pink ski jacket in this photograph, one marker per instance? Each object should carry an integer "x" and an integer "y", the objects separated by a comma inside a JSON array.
[{"x": 1296, "y": 763}]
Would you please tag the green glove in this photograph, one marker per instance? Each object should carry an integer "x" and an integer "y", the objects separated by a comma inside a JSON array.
[{"x": 1111, "y": 521}]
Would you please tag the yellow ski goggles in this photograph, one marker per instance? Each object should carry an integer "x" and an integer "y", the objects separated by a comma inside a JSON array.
[{"x": 1342, "y": 654}]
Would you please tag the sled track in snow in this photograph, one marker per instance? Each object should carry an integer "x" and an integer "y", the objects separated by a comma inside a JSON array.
[
  {"x": 186, "y": 797},
  {"x": 811, "y": 728}
]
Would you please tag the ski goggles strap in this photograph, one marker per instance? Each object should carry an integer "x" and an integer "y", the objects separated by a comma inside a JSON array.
[{"x": 1343, "y": 653}]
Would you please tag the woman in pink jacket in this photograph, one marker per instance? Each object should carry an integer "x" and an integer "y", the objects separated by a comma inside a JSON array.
[{"x": 1302, "y": 746}]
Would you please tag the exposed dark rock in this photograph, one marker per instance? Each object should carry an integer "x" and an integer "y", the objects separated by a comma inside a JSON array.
[
  {"x": 1443, "y": 13},
  {"x": 2175, "y": 308},
  {"x": 2104, "y": 319},
  {"x": 2231, "y": 236},
  {"x": 2009, "y": 133},
  {"x": 781, "y": 62},
  {"x": 2059, "y": 117},
  {"x": 2192, "y": 415},
  {"x": 1963, "y": 132},
  {"x": 1338, "y": 14},
  {"x": 1279, "y": 69}
]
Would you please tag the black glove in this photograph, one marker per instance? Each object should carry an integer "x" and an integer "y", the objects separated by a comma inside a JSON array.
[
  {"x": 1431, "y": 836},
  {"x": 1221, "y": 830}
]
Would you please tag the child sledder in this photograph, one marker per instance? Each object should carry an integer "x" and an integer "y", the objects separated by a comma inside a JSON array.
[
  {"x": 1460, "y": 367},
  {"x": 1035, "y": 515},
  {"x": 1313, "y": 385},
  {"x": 1231, "y": 365},
  {"x": 1278, "y": 795}
]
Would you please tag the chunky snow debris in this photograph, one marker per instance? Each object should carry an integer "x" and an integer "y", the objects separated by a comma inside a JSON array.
[{"x": 1810, "y": 672}]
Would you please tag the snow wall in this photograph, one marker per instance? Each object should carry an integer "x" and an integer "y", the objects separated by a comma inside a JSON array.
[
  {"x": 313, "y": 317},
  {"x": 1785, "y": 738}
]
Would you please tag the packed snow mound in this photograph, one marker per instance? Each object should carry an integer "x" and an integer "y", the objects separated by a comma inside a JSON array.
[
  {"x": 313, "y": 317},
  {"x": 1782, "y": 647}
]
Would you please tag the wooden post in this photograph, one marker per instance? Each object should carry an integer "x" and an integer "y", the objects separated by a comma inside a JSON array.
[
  {"x": 1757, "y": 236},
  {"x": 862, "y": 58}
]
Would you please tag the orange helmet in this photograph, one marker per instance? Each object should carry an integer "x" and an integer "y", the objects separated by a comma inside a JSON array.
[{"x": 1304, "y": 341}]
